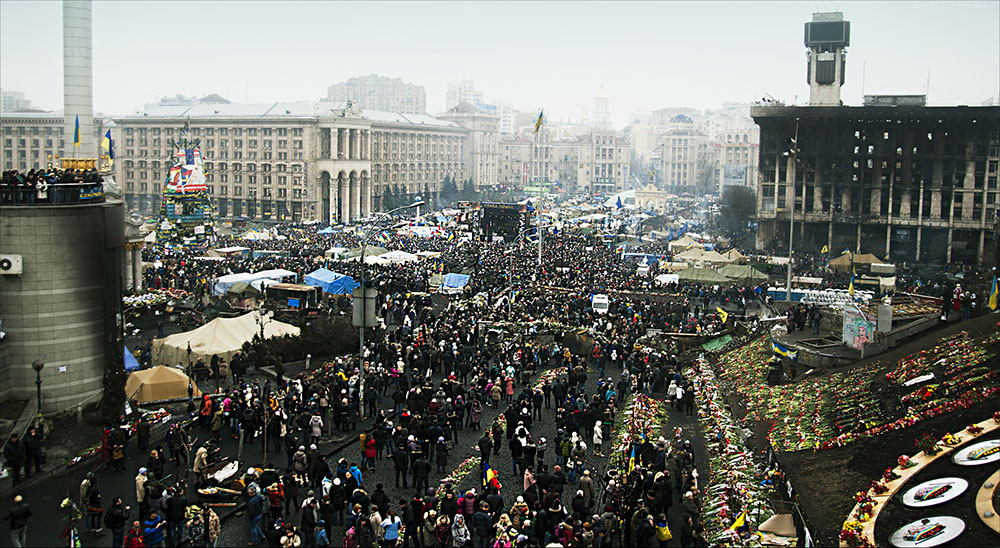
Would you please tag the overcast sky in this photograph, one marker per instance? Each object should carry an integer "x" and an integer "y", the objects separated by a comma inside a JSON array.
[{"x": 553, "y": 55}]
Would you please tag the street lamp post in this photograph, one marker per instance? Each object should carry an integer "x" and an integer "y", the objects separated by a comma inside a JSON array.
[
  {"x": 793, "y": 153},
  {"x": 37, "y": 365},
  {"x": 374, "y": 224}
]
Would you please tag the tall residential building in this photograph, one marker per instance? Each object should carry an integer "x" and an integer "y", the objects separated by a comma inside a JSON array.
[
  {"x": 916, "y": 184},
  {"x": 13, "y": 101},
  {"x": 462, "y": 91},
  {"x": 601, "y": 117},
  {"x": 680, "y": 150},
  {"x": 481, "y": 146},
  {"x": 374, "y": 92}
]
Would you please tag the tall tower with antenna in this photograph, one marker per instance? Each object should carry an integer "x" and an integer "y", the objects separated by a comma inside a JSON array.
[{"x": 826, "y": 36}]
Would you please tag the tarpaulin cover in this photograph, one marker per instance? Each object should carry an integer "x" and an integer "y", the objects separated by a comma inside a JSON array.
[
  {"x": 717, "y": 343},
  {"x": 131, "y": 364},
  {"x": 331, "y": 282},
  {"x": 158, "y": 383},
  {"x": 703, "y": 275},
  {"x": 223, "y": 283},
  {"x": 454, "y": 281},
  {"x": 221, "y": 336}
]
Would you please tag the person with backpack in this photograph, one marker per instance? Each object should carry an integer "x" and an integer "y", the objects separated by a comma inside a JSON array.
[{"x": 116, "y": 519}]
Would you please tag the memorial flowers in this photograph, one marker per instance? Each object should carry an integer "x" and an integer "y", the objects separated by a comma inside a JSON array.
[
  {"x": 927, "y": 443},
  {"x": 974, "y": 429},
  {"x": 904, "y": 462},
  {"x": 851, "y": 535}
]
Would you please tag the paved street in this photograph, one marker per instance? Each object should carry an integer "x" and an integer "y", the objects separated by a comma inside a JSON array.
[{"x": 48, "y": 521}]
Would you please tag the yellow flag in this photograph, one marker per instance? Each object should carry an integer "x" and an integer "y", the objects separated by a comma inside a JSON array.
[
  {"x": 722, "y": 314},
  {"x": 850, "y": 288},
  {"x": 740, "y": 521},
  {"x": 825, "y": 249},
  {"x": 992, "y": 301},
  {"x": 538, "y": 122}
]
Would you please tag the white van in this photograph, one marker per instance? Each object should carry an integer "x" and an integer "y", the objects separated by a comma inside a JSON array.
[
  {"x": 600, "y": 303},
  {"x": 642, "y": 270}
]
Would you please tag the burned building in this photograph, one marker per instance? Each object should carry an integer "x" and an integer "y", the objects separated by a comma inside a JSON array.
[{"x": 913, "y": 183}]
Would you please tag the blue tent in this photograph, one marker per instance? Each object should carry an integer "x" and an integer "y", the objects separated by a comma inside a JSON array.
[
  {"x": 131, "y": 364},
  {"x": 454, "y": 281},
  {"x": 331, "y": 282},
  {"x": 327, "y": 230}
]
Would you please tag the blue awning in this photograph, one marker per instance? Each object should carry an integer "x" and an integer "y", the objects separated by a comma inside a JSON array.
[
  {"x": 331, "y": 282},
  {"x": 454, "y": 281},
  {"x": 131, "y": 364}
]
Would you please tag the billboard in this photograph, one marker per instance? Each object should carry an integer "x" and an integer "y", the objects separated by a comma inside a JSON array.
[{"x": 734, "y": 175}]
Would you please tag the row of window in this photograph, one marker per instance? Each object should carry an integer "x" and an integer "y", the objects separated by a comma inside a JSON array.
[{"x": 222, "y": 131}]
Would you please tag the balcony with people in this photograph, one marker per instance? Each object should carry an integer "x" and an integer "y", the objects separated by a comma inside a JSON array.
[{"x": 51, "y": 187}]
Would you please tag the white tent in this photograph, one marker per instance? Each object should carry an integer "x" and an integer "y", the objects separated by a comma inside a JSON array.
[
  {"x": 254, "y": 234},
  {"x": 684, "y": 242},
  {"x": 714, "y": 257},
  {"x": 399, "y": 256},
  {"x": 372, "y": 259},
  {"x": 221, "y": 336},
  {"x": 429, "y": 254},
  {"x": 690, "y": 255},
  {"x": 223, "y": 283}
]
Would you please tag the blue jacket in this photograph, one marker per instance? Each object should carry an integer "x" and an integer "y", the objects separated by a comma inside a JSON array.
[
  {"x": 154, "y": 534},
  {"x": 357, "y": 475},
  {"x": 255, "y": 506}
]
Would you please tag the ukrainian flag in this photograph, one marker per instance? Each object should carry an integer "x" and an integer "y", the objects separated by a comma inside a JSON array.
[
  {"x": 631, "y": 461},
  {"x": 850, "y": 287},
  {"x": 490, "y": 477},
  {"x": 722, "y": 314},
  {"x": 538, "y": 122},
  {"x": 76, "y": 132},
  {"x": 992, "y": 301},
  {"x": 783, "y": 350},
  {"x": 825, "y": 249},
  {"x": 740, "y": 521},
  {"x": 845, "y": 251}
]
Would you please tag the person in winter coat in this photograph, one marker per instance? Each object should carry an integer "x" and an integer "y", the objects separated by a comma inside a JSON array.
[
  {"x": 153, "y": 530},
  {"x": 316, "y": 427},
  {"x": 459, "y": 531},
  {"x": 427, "y": 537},
  {"x": 672, "y": 393},
  {"x": 441, "y": 456},
  {"x": 213, "y": 526},
  {"x": 300, "y": 462},
  {"x": 135, "y": 538},
  {"x": 18, "y": 515},
  {"x": 370, "y": 451},
  {"x": 442, "y": 532},
  {"x": 598, "y": 439}
]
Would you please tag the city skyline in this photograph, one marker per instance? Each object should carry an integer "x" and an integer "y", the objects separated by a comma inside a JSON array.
[{"x": 529, "y": 55}]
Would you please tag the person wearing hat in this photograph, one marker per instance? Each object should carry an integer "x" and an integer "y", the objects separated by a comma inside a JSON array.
[
  {"x": 587, "y": 486},
  {"x": 194, "y": 528}
]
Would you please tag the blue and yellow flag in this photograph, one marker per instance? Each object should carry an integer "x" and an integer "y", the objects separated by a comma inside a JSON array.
[
  {"x": 850, "y": 287},
  {"x": 108, "y": 145},
  {"x": 631, "y": 461},
  {"x": 845, "y": 251},
  {"x": 722, "y": 314},
  {"x": 490, "y": 477},
  {"x": 783, "y": 350},
  {"x": 538, "y": 122},
  {"x": 740, "y": 521},
  {"x": 76, "y": 132},
  {"x": 992, "y": 301}
]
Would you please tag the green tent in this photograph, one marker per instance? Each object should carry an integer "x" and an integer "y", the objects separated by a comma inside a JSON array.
[
  {"x": 702, "y": 275},
  {"x": 239, "y": 288},
  {"x": 743, "y": 273},
  {"x": 370, "y": 251}
]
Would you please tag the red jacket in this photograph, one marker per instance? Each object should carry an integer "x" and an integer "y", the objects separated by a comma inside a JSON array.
[{"x": 370, "y": 448}]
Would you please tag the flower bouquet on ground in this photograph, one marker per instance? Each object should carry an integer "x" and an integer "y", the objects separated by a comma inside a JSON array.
[
  {"x": 889, "y": 475},
  {"x": 927, "y": 444},
  {"x": 851, "y": 535},
  {"x": 951, "y": 440},
  {"x": 905, "y": 462},
  {"x": 879, "y": 488},
  {"x": 974, "y": 429}
]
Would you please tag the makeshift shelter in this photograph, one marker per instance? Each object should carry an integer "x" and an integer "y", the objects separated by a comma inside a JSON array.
[
  {"x": 701, "y": 275},
  {"x": 734, "y": 256},
  {"x": 327, "y": 230},
  {"x": 335, "y": 252},
  {"x": 399, "y": 256},
  {"x": 683, "y": 242},
  {"x": 158, "y": 383},
  {"x": 429, "y": 254},
  {"x": 223, "y": 283},
  {"x": 453, "y": 283},
  {"x": 256, "y": 235},
  {"x": 240, "y": 288},
  {"x": 691, "y": 255},
  {"x": 743, "y": 273},
  {"x": 664, "y": 279},
  {"x": 331, "y": 282},
  {"x": 435, "y": 280},
  {"x": 131, "y": 364},
  {"x": 370, "y": 251},
  {"x": 713, "y": 257},
  {"x": 843, "y": 263},
  {"x": 221, "y": 336}
]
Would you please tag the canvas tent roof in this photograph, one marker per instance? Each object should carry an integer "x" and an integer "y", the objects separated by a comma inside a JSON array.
[
  {"x": 370, "y": 251},
  {"x": 843, "y": 263},
  {"x": 399, "y": 256},
  {"x": 734, "y": 255},
  {"x": 223, "y": 283},
  {"x": 714, "y": 257},
  {"x": 692, "y": 254},
  {"x": 158, "y": 383},
  {"x": 221, "y": 336},
  {"x": 331, "y": 282},
  {"x": 703, "y": 275},
  {"x": 429, "y": 254},
  {"x": 742, "y": 272},
  {"x": 683, "y": 242}
]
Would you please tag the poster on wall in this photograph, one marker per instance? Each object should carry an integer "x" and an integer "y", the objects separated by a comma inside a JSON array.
[
  {"x": 858, "y": 328},
  {"x": 734, "y": 175}
]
